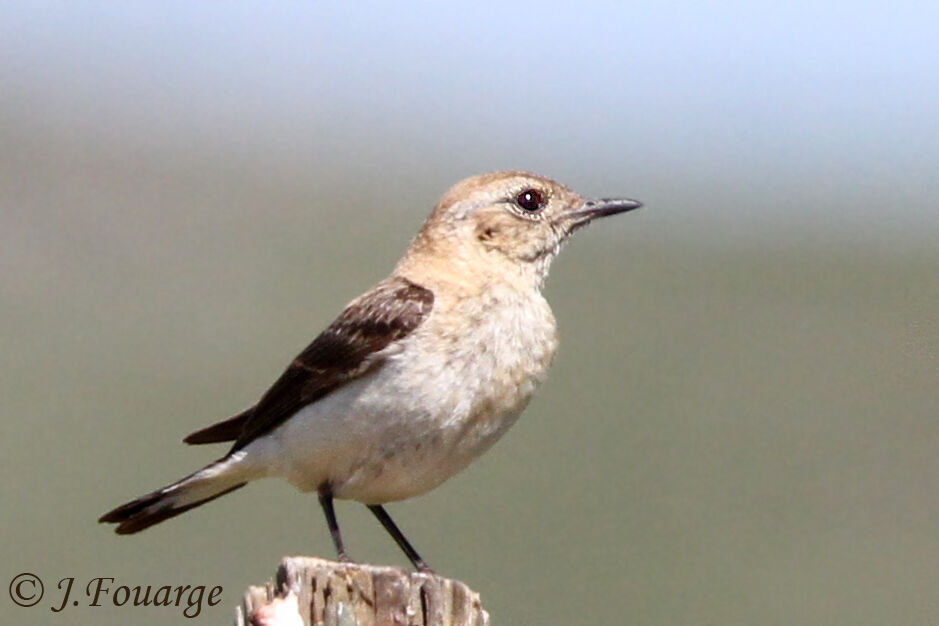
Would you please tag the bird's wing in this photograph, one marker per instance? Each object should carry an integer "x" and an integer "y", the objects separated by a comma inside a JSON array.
[{"x": 348, "y": 348}]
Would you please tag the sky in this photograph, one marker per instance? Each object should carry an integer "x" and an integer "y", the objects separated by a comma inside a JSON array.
[{"x": 820, "y": 112}]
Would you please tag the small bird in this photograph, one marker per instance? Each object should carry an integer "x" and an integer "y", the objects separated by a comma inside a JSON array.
[{"x": 418, "y": 376}]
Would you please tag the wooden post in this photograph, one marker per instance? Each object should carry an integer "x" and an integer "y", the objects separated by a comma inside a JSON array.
[{"x": 315, "y": 592}]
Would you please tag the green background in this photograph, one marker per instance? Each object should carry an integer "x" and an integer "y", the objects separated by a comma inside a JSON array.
[{"x": 741, "y": 426}]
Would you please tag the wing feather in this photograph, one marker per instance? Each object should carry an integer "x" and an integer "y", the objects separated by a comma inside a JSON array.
[{"x": 348, "y": 348}]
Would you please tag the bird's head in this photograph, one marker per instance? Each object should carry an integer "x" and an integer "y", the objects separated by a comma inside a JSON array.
[{"x": 510, "y": 220}]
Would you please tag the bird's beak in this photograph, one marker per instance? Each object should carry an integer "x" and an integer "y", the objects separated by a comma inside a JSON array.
[{"x": 592, "y": 209}]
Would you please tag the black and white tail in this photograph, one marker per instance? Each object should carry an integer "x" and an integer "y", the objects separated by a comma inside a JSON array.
[{"x": 210, "y": 482}]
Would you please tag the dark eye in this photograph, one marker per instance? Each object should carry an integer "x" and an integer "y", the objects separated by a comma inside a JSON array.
[{"x": 531, "y": 200}]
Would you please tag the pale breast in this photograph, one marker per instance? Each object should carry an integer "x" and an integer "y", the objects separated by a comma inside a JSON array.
[{"x": 496, "y": 351}]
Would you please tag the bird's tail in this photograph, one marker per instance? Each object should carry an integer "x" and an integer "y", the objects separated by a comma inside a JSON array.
[{"x": 214, "y": 480}]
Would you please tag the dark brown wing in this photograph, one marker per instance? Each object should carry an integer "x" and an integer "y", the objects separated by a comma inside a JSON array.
[
  {"x": 345, "y": 350},
  {"x": 228, "y": 430}
]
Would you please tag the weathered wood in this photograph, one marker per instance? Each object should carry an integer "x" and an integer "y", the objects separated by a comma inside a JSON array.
[{"x": 315, "y": 592}]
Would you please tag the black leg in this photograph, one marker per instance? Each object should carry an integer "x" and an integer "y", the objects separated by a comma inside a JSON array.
[
  {"x": 399, "y": 537},
  {"x": 326, "y": 501}
]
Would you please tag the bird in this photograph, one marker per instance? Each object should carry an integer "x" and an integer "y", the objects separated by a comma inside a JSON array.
[{"x": 415, "y": 378}]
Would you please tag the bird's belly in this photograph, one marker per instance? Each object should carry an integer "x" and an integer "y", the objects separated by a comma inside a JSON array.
[
  {"x": 422, "y": 462},
  {"x": 388, "y": 437},
  {"x": 373, "y": 450}
]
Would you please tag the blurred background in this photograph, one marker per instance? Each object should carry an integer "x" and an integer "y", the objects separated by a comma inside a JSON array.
[{"x": 741, "y": 426}]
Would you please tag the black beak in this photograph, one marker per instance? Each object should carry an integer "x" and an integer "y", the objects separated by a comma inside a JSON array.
[{"x": 602, "y": 207}]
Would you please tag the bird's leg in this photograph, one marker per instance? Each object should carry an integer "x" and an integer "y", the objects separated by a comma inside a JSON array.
[
  {"x": 326, "y": 501},
  {"x": 400, "y": 539}
]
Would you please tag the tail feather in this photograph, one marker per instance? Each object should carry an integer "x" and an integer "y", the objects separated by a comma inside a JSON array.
[{"x": 195, "y": 490}]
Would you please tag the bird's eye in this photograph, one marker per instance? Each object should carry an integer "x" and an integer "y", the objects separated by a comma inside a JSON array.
[{"x": 531, "y": 200}]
